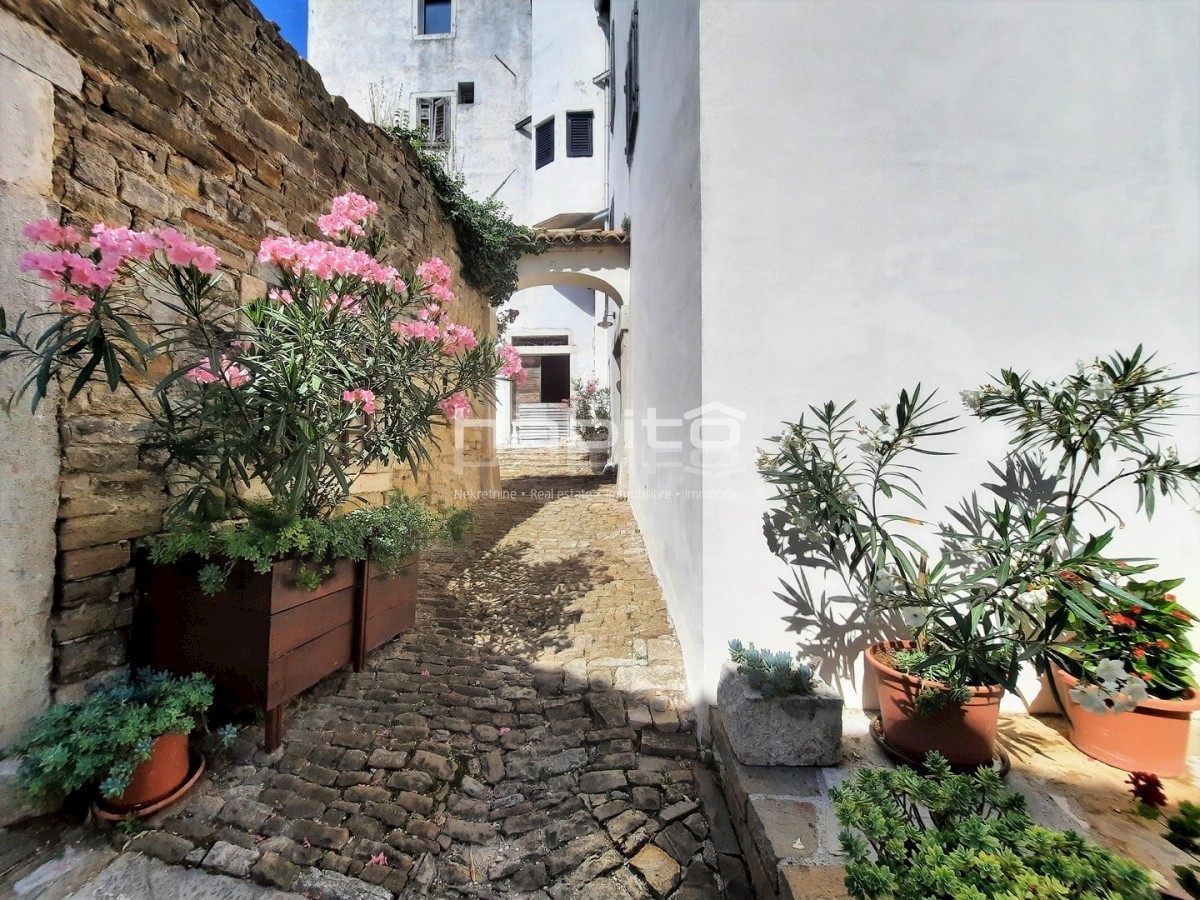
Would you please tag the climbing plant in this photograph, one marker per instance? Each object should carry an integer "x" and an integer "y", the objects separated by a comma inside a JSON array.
[{"x": 489, "y": 241}]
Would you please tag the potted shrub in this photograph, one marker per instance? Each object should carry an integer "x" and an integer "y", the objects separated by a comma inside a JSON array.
[
  {"x": 776, "y": 711},
  {"x": 945, "y": 836},
  {"x": 127, "y": 741},
  {"x": 591, "y": 412},
  {"x": 997, "y": 587},
  {"x": 261, "y": 414},
  {"x": 1130, "y": 691}
]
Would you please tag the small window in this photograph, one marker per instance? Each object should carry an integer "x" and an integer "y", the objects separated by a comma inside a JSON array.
[
  {"x": 435, "y": 16},
  {"x": 433, "y": 117},
  {"x": 579, "y": 133},
  {"x": 544, "y": 144},
  {"x": 466, "y": 92}
]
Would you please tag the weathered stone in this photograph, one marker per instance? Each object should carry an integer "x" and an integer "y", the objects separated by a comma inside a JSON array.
[
  {"x": 780, "y": 731},
  {"x": 161, "y": 845},
  {"x": 274, "y": 869},
  {"x": 678, "y": 841},
  {"x": 229, "y": 859},
  {"x": 471, "y": 832},
  {"x": 320, "y": 835},
  {"x": 573, "y": 854},
  {"x": 678, "y": 744},
  {"x": 245, "y": 813},
  {"x": 660, "y": 870},
  {"x": 602, "y": 782}
]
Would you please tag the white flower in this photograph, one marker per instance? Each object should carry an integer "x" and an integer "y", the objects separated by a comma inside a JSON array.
[
  {"x": 1110, "y": 670},
  {"x": 1088, "y": 696},
  {"x": 1101, "y": 387},
  {"x": 886, "y": 582},
  {"x": 1135, "y": 691},
  {"x": 972, "y": 400},
  {"x": 913, "y": 616},
  {"x": 1037, "y": 595}
]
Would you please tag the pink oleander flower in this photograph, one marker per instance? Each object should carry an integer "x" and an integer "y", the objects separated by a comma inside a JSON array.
[
  {"x": 434, "y": 271},
  {"x": 379, "y": 859},
  {"x": 118, "y": 243},
  {"x": 346, "y": 215},
  {"x": 511, "y": 367},
  {"x": 183, "y": 252},
  {"x": 49, "y": 266},
  {"x": 361, "y": 396},
  {"x": 85, "y": 273},
  {"x": 326, "y": 261},
  {"x": 430, "y": 312},
  {"x": 456, "y": 406},
  {"x": 280, "y": 296},
  {"x": 241, "y": 346},
  {"x": 48, "y": 231},
  {"x": 230, "y": 372},
  {"x": 441, "y": 293},
  {"x": 426, "y": 331},
  {"x": 347, "y": 305},
  {"x": 70, "y": 301},
  {"x": 457, "y": 337}
]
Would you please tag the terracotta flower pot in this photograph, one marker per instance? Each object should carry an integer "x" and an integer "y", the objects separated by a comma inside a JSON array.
[
  {"x": 159, "y": 776},
  {"x": 963, "y": 733},
  {"x": 1152, "y": 737}
]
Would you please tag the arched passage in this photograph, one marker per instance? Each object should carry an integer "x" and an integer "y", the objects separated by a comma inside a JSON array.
[{"x": 595, "y": 261}]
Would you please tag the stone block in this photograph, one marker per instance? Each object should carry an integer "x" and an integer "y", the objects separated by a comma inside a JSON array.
[
  {"x": 15, "y": 804},
  {"x": 812, "y": 883},
  {"x": 780, "y": 731}
]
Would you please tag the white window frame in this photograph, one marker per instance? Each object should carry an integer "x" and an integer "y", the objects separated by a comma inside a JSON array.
[
  {"x": 418, "y": 9},
  {"x": 431, "y": 98}
]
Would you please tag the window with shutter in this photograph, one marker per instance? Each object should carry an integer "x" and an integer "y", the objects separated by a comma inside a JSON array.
[
  {"x": 631, "y": 86},
  {"x": 579, "y": 133},
  {"x": 433, "y": 117},
  {"x": 543, "y": 140}
]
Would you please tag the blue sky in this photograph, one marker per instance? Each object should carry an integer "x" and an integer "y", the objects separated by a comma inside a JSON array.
[{"x": 292, "y": 16}]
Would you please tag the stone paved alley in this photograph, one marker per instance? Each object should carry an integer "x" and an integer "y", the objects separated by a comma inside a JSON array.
[{"x": 528, "y": 738}]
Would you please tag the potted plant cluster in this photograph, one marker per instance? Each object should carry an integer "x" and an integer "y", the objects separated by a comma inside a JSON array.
[
  {"x": 262, "y": 414},
  {"x": 1007, "y": 582},
  {"x": 776, "y": 711},
  {"x": 127, "y": 742},
  {"x": 1133, "y": 692},
  {"x": 943, "y": 836},
  {"x": 591, "y": 411}
]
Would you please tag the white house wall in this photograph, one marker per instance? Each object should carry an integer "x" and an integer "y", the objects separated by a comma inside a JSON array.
[
  {"x": 569, "y": 52},
  {"x": 357, "y": 43},
  {"x": 929, "y": 192},
  {"x": 664, "y": 371}
]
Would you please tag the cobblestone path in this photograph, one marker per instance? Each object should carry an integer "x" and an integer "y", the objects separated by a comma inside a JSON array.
[{"x": 528, "y": 738}]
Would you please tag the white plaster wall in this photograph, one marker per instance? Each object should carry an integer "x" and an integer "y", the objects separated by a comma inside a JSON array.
[
  {"x": 31, "y": 66},
  {"x": 354, "y": 43},
  {"x": 933, "y": 191},
  {"x": 663, "y": 345},
  {"x": 569, "y": 51}
]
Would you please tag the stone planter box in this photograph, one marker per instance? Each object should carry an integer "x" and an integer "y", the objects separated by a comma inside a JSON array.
[{"x": 780, "y": 731}]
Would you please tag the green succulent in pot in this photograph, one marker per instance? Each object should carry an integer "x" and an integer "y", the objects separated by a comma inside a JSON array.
[{"x": 99, "y": 742}]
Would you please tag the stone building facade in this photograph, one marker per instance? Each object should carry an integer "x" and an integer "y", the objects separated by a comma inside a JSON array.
[{"x": 194, "y": 114}]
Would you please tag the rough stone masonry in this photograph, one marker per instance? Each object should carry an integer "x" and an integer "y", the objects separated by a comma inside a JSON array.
[{"x": 196, "y": 114}]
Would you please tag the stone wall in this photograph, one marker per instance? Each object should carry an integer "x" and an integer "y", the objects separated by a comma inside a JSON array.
[{"x": 196, "y": 114}]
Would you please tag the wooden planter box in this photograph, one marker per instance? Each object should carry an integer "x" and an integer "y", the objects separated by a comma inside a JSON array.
[{"x": 263, "y": 639}]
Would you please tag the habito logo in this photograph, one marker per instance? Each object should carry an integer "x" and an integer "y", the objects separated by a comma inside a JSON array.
[{"x": 706, "y": 440}]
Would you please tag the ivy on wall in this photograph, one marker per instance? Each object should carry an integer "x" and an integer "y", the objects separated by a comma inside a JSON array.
[{"x": 489, "y": 241}]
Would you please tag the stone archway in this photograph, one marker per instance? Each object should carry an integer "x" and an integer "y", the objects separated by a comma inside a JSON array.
[{"x": 597, "y": 260}]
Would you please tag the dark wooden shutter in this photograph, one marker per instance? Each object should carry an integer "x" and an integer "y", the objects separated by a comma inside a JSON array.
[
  {"x": 579, "y": 133},
  {"x": 544, "y": 144},
  {"x": 632, "y": 89}
]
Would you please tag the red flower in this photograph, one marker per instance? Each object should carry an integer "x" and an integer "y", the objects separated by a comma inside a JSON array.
[
  {"x": 1180, "y": 614},
  {"x": 1069, "y": 576},
  {"x": 1162, "y": 645},
  {"x": 1147, "y": 788},
  {"x": 1120, "y": 621},
  {"x": 1135, "y": 610},
  {"x": 1138, "y": 652},
  {"x": 1170, "y": 597}
]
